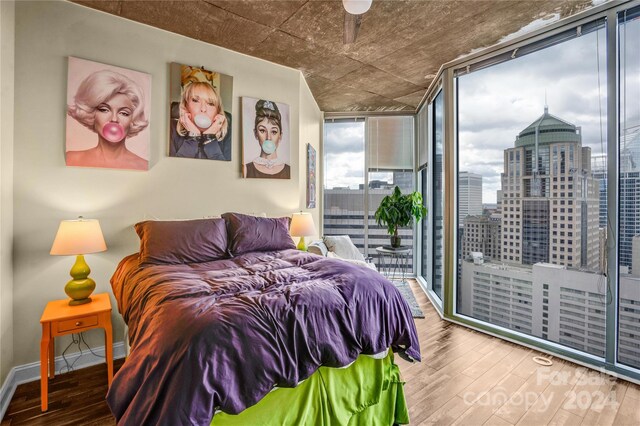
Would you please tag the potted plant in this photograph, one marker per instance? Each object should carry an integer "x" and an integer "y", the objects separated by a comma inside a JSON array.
[{"x": 397, "y": 210}]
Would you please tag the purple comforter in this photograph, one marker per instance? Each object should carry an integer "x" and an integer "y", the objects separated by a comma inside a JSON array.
[{"x": 222, "y": 334}]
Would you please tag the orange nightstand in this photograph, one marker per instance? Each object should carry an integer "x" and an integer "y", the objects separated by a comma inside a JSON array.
[{"x": 59, "y": 319}]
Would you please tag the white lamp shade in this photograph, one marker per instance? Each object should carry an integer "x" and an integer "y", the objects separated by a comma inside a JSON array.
[
  {"x": 302, "y": 225},
  {"x": 79, "y": 236},
  {"x": 356, "y": 7}
]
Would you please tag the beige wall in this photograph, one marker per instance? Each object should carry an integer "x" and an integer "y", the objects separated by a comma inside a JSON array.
[
  {"x": 7, "y": 26},
  {"x": 311, "y": 125},
  {"x": 46, "y": 191}
]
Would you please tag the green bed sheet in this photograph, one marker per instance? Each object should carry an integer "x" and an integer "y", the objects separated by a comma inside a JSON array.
[{"x": 368, "y": 392}]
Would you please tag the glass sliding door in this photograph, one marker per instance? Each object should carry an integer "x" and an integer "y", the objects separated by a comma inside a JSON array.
[
  {"x": 531, "y": 159},
  {"x": 629, "y": 189},
  {"x": 344, "y": 179}
]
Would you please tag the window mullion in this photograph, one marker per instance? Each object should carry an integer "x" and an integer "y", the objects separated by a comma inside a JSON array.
[{"x": 367, "y": 152}]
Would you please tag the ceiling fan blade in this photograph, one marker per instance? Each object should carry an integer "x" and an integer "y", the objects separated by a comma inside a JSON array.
[{"x": 351, "y": 27}]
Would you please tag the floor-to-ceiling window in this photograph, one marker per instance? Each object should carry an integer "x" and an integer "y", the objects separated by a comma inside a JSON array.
[
  {"x": 364, "y": 160},
  {"x": 344, "y": 179},
  {"x": 438, "y": 193},
  {"x": 543, "y": 142},
  {"x": 629, "y": 189},
  {"x": 430, "y": 168},
  {"x": 390, "y": 164},
  {"x": 423, "y": 127},
  {"x": 532, "y": 128}
]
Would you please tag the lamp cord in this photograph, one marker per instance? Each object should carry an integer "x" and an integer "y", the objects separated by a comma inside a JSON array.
[{"x": 76, "y": 339}]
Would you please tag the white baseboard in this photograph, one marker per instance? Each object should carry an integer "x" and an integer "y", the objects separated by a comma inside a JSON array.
[
  {"x": 6, "y": 391},
  {"x": 29, "y": 372}
]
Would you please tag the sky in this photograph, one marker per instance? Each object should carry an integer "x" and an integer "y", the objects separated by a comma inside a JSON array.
[
  {"x": 344, "y": 154},
  {"x": 498, "y": 102}
]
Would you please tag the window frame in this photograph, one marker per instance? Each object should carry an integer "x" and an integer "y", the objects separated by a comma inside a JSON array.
[
  {"x": 426, "y": 283},
  {"x": 445, "y": 77},
  {"x": 364, "y": 117}
]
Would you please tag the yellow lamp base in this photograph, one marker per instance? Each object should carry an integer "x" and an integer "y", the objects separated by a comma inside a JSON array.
[
  {"x": 302, "y": 244},
  {"x": 81, "y": 286}
]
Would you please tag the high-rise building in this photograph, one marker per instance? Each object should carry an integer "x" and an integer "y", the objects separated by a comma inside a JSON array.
[
  {"x": 602, "y": 242},
  {"x": 562, "y": 305},
  {"x": 481, "y": 234},
  {"x": 599, "y": 170},
  {"x": 548, "y": 281},
  {"x": 629, "y": 190},
  {"x": 344, "y": 214},
  {"x": 469, "y": 195},
  {"x": 404, "y": 180},
  {"x": 635, "y": 254},
  {"x": 550, "y": 197},
  {"x": 499, "y": 202},
  {"x": 531, "y": 300}
]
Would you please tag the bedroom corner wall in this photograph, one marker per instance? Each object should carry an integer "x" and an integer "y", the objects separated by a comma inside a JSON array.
[
  {"x": 311, "y": 124},
  {"x": 45, "y": 191},
  {"x": 7, "y": 51}
]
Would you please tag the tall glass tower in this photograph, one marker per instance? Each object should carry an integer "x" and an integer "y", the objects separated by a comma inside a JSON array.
[{"x": 550, "y": 197}]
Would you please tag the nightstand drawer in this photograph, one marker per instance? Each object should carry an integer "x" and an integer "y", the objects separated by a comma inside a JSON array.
[{"x": 77, "y": 323}]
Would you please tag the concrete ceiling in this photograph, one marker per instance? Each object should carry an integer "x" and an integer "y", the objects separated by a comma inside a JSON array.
[{"x": 400, "y": 46}]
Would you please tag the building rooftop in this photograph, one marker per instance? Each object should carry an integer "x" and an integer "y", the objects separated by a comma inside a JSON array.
[
  {"x": 499, "y": 266},
  {"x": 528, "y": 269},
  {"x": 550, "y": 129},
  {"x": 550, "y": 265}
]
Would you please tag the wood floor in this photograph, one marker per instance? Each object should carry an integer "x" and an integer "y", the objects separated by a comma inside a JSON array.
[{"x": 466, "y": 378}]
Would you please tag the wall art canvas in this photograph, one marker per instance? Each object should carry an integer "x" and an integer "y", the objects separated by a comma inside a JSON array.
[
  {"x": 266, "y": 146},
  {"x": 108, "y": 110},
  {"x": 311, "y": 177},
  {"x": 200, "y": 113}
]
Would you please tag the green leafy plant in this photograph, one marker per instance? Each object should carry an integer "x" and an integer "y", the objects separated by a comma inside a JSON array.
[{"x": 397, "y": 211}]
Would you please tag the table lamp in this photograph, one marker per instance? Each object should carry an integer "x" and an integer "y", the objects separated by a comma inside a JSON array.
[
  {"x": 79, "y": 237},
  {"x": 302, "y": 226}
]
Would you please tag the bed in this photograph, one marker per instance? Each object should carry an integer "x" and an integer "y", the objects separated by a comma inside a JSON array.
[{"x": 228, "y": 322}]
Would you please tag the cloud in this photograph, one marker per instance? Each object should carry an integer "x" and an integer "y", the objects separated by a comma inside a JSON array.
[
  {"x": 354, "y": 174},
  {"x": 495, "y": 104},
  {"x": 344, "y": 137},
  {"x": 344, "y": 169}
]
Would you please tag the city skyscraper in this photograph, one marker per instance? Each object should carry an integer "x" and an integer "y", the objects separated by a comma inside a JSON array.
[
  {"x": 481, "y": 234},
  {"x": 549, "y": 209},
  {"x": 553, "y": 302},
  {"x": 469, "y": 195},
  {"x": 344, "y": 214},
  {"x": 629, "y": 190},
  {"x": 549, "y": 197},
  {"x": 599, "y": 169}
]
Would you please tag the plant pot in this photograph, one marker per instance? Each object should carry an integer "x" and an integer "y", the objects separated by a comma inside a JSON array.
[{"x": 396, "y": 241}]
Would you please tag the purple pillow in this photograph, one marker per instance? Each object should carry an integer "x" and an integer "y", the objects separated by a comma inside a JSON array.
[
  {"x": 182, "y": 241},
  {"x": 251, "y": 233}
]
